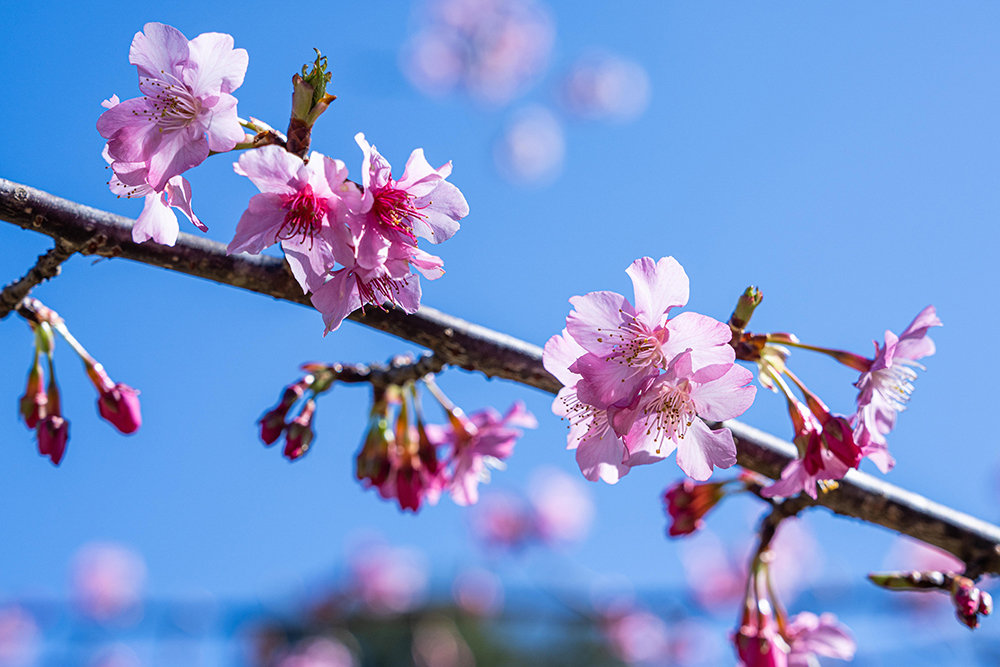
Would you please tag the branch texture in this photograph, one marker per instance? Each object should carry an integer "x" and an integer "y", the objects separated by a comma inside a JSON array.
[
  {"x": 47, "y": 266},
  {"x": 456, "y": 342}
]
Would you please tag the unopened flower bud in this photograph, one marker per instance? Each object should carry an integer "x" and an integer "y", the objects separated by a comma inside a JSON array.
[
  {"x": 273, "y": 421},
  {"x": 687, "y": 502},
  {"x": 300, "y": 433},
  {"x": 309, "y": 101},
  {"x": 33, "y": 402},
  {"x": 120, "y": 407},
  {"x": 52, "y": 433},
  {"x": 985, "y": 603}
]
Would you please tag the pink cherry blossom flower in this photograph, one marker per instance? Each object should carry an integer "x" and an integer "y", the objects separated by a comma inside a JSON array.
[
  {"x": 157, "y": 221},
  {"x": 479, "y": 442},
  {"x": 810, "y": 635},
  {"x": 20, "y": 637},
  {"x": 563, "y": 507},
  {"x": 107, "y": 580},
  {"x": 600, "y": 451},
  {"x": 886, "y": 387},
  {"x": 628, "y": 345},
  {"x": 394, "y": 213},
  {"x": 302, "y": 205},
  {"x": 388, "y": 580},
  {"x": 816, "y": 462},
  {"x": 666, "y": 416},
  {"x": 186, "y": 111}
]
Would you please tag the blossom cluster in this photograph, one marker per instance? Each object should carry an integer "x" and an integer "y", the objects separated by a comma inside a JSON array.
[
  {"x": 413, "y": 462},
  {"x": 636, "y": 381},
  {"x": 401, "y": 456},
  {"x": 830, "y": 444},
  {"x": 41, "y": 405},
  {"x": 347, "y": 244}
]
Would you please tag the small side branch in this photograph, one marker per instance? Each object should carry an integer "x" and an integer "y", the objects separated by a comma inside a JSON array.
[
  {"x": 47, "y": 266},
  {"x": 400, "y": 370}
]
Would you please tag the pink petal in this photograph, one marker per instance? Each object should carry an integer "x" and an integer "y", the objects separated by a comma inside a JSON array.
[
  {"x": 702, "y": 449},
  {"x": 794, "y": 479},
  {"x": 707, "y": 338},
  {"x": 442, "y": 208},
  {"x": 157, "y": 222},
  {"x": 158, "y": 51},
  {"x": 271, "y": 169},
  {"x": 259, "y": 225},
  {"x": 178, "y": 192},
  {"x": 408, "y": 295},
  {"x": 213, "y": 65},
  {"x": 605, "y": 384},
  {"x": 601, "y": 457},
  {"x": 224, "y": 130},
  {"x": 560, "y": 352},
  {"x": 659, "y": 286},
  {"x": 132, "y": 135},
  {"x": 727, "y": 397},
  {"x": 430, "y": 266},
  {"x": 596, "y": 317},
  {"x": 420, "y": 178},
  {"x": 310, "y": 262},
  {"x": 177, "y": 152},
  {"x": 337, "y": 299}
]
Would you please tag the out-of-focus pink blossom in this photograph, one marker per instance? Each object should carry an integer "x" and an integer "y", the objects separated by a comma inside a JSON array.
[
  {"x": 187, "y": 109},
  {"x": 438, "y": 643},
  {"x": 492, "y": 49},
  {"x": 505, "y": 520},
  {"x": 116, "y": 655},
  {"x": 478, "y": 592},
  {"x": 532, "y": 148},
  {"x": 604, "y": 86},
  {"x": 563, "y": 507},
  {"x": 638, "y": 637},
  {"x": 388, "y": 580},
  {"x": 19, "y": 637},
  {"x": 810, "y": 635},
  {"x": 886, "y": 387},
  {"x": 479, "y": 442},
  {"x": 324, "y": 652},
  {"x": 107, "y": 581}
]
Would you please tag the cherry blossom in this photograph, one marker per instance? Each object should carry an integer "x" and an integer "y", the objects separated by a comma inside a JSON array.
[
  {"x": 666, "y": 416},
  {"x": 186, "y": 111},
  {"x": 302, "y": 205},
  {"x": 627, "y": 345},
  {"x": 600, "y": 451},
  {"x": 479, "y": 442},
  {"x": 885, "y": 387},
  {"x": 810, "y": 635}
]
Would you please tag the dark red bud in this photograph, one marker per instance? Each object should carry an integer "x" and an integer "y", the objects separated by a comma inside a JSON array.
[
  {"x": 120, "y": 407},
  {"x": 52, "y": 433}
]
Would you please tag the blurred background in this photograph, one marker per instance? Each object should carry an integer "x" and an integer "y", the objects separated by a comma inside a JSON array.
[{"x": 843, "y": 157}]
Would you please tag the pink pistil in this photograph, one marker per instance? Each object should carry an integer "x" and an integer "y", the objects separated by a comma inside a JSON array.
[
  {"x": 304, "y": 214},
  {"x": 394, "y": 209}
]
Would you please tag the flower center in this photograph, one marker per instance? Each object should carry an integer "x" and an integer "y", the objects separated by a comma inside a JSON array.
[
  {"x": 670, "y": 414},
  {"x": 895, "y": 382},
  {"x": 379, "y": 290},
  {"x": 395, "y": 209},
  {"x": 304, "y": 213},
  {"x": 173, "y": 105},
  {"x": 578, "y": 412},
  {"x": 634, "y": 344}
]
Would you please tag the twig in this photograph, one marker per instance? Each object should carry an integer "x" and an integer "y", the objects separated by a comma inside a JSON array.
[
  {"x": 456, "y": 342},
  {"x": 401, "y": 369},
  {"x": 47, "y": 266}
]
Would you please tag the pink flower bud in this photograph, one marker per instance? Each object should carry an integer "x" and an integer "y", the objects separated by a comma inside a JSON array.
[
  {"x": 120, "y": 407},
  {"x": 965, "y": 595},
  {"x": 52, "y": 433},
  {"x": 985, "y": 603},
  {"x": 687, "y": 502},
  {"x": 761, "y": 647},
  {"x": 300, "y": 432},
  {"x": 33, "y": 402},
  {"x": 273, "y": 421}
]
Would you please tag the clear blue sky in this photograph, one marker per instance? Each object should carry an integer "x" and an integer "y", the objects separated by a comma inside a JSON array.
[{"x": 845, "y": 157}]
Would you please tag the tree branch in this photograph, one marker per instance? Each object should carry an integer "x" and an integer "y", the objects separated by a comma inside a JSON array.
[
  {"x": 456, "y": 342},
  {"x": 47, "y": 266}
]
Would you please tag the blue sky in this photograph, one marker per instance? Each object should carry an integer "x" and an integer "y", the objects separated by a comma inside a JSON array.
[{"x": 842, "y": 156}]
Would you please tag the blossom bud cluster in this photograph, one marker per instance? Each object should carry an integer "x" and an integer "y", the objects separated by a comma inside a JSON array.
[
  {"x": 766, "y": 638},
  {"x": 413, "y": 462},
  {"x": 636, "y": 381},
  {"x": 41, "y": 405},
  {"x": 830, "y": 444},
  {"x": 347, "y": 244},
  {"x": 298, "y": 398}
]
